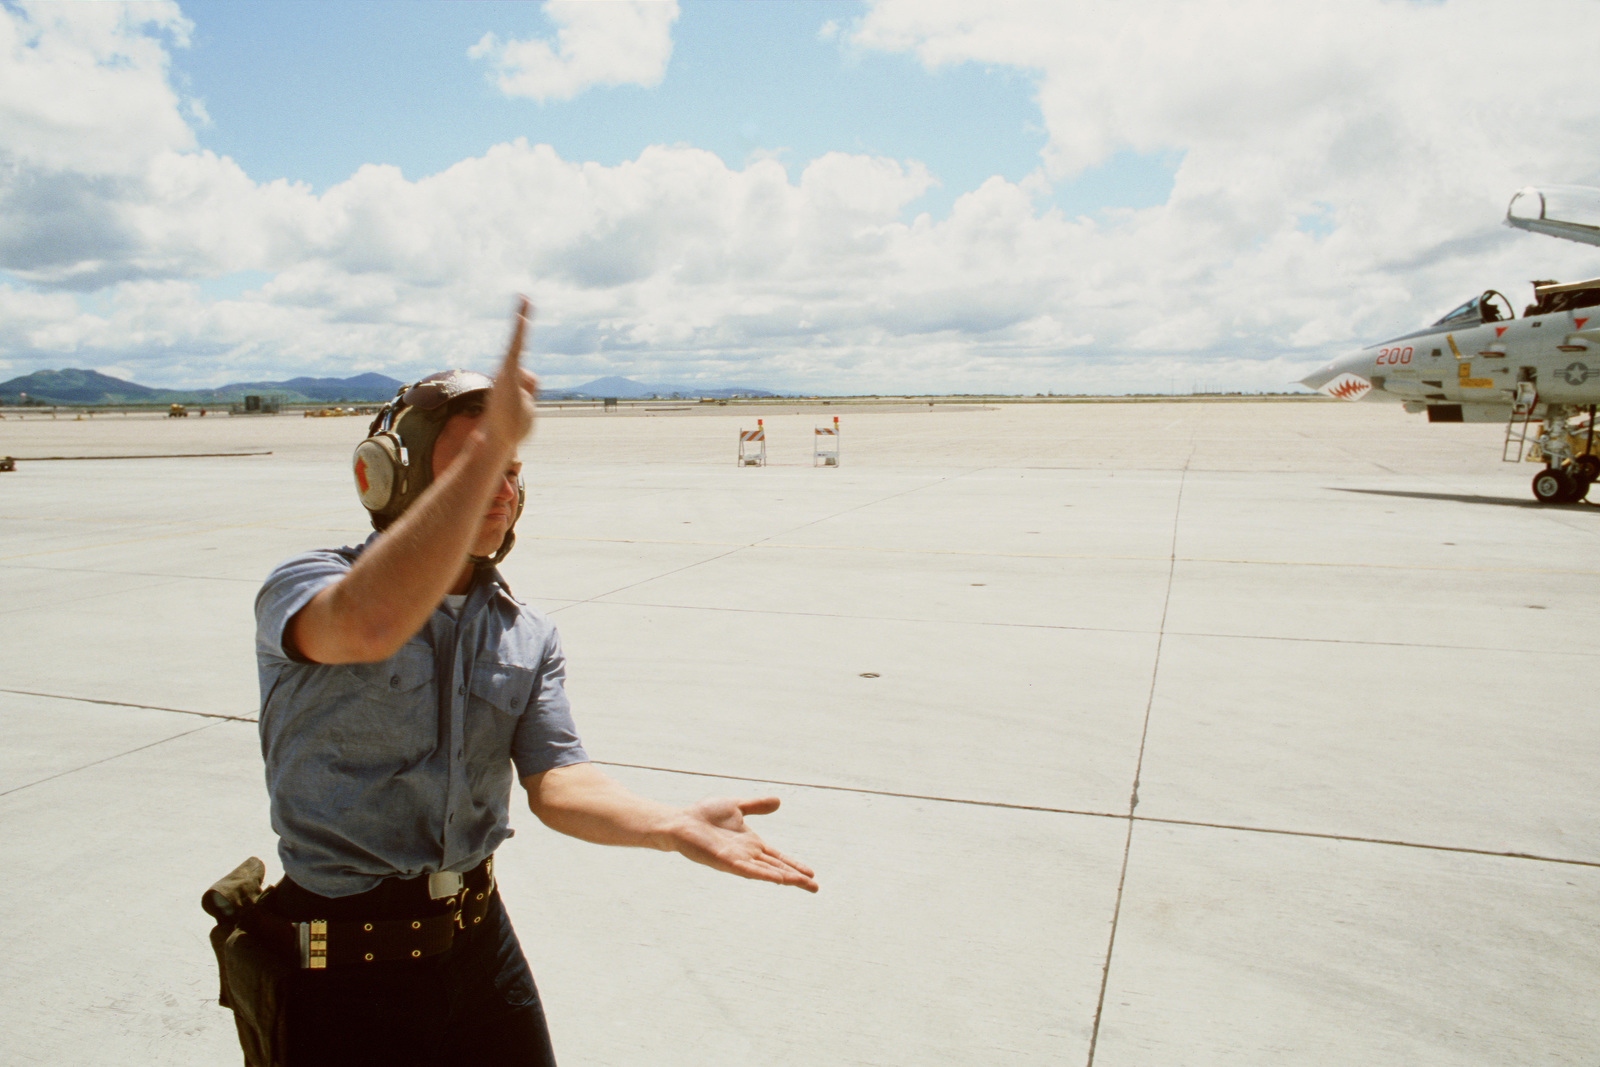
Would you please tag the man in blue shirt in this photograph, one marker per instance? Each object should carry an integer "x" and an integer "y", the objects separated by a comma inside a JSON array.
[{"x": 401, "y": 684}]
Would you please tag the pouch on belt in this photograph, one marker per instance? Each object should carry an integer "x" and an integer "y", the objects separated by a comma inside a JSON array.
[{"x": 254, "y": 976}]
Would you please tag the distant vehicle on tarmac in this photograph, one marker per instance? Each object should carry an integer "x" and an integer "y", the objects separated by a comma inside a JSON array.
[
  {"x": 1481, "y": 363},
  {"x": 255, "y": 405}
]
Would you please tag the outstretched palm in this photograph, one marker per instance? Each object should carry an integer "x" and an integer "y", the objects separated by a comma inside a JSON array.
[{"x": 713, "y": 832}]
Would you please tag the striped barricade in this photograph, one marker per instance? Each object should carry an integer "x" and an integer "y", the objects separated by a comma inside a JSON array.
[
  {"x": 753, "y": 446},
  {"x": 825, "y": 445}
]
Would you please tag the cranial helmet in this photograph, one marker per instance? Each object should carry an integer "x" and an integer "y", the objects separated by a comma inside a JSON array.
[{"x": 395, "y": 463}]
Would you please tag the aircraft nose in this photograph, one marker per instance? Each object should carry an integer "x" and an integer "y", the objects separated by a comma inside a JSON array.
[
  {"x": 1318, "y": 378},
  {"x": 1347, "y": 378}
]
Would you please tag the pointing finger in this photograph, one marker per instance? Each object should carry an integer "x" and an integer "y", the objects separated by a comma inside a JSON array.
[{"x": 519, "y": 324}]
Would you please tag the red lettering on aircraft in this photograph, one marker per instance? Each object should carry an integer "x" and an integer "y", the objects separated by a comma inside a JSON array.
[
  {"x": 1394, "y": 356},
  {"x": 361, "y": 474}
]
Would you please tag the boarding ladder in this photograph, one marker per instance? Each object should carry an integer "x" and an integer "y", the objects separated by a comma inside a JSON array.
[
  {"x": 1526, "y": 399},
  {"x": 825, "y": 445}
]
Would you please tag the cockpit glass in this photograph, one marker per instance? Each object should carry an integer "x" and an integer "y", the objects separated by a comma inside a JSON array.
[
  {"x": 1468, "y": 312},
  {"x": 1569, "y": 203},
  {"x": 1526, "y": 204}
]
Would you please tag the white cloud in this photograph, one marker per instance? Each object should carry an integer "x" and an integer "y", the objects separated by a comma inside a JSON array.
[
  {"x": 618, "y": 42},
  {"x": 674, "y": 267},
  {"x": 83, "y": 87},
  {"x": 1405, "y": 126}
]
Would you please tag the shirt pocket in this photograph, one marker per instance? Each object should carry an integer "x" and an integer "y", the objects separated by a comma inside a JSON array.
[
  {"x": 503, "y": 687},
  {"x": 392, "y": 722},
  {"x": 401, "y": 674},
  {"x": 500, "y": 694}
]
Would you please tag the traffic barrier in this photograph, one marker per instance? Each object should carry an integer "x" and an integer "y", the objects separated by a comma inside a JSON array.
[
  {"x": 750, "y": 455},
  {"x": 829, "y": 435}
]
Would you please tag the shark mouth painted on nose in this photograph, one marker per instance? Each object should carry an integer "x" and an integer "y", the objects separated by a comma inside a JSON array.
[{"x": 1347, "y": 387}]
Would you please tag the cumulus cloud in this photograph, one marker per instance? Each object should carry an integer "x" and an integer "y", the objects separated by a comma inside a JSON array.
[
  {"x": 84, "y": 89},
  {"x": 1379, "y": 120},
  {"x": 84, "y": 103},
  {"x": 1342, "y": 176},
  {"x": 621, "y": 42}
]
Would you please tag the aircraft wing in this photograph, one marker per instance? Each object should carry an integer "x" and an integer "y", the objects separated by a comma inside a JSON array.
[{"x": 1569, "y": 211}]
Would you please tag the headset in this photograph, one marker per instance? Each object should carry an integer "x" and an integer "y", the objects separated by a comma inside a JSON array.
[{"x": 395, "y": 462}]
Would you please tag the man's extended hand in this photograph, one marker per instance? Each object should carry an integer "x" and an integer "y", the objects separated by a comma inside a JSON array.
[
  {"x": 581, "y": 800},
  {"x": 508, "y": 413},
  {"x": 713, "y": 832}
]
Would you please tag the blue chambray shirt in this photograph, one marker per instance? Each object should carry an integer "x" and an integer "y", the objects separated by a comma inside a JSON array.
[{"x": 404, "y": 767}]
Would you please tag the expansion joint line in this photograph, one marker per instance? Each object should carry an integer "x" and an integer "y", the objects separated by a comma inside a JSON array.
[
  {"x": 1138, "y": 767},
  {"x": 737, "y": 548},
  {"x": 107, "y": 759},
  {"x": 868, "y": 504},
  {"x": 129, "y": 704},
  {"x": 653, "y": 578},
  {"x": 1155, "y": 820}
]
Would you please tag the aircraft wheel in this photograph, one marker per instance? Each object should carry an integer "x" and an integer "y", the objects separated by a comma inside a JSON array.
[
  {"x": 1552, "y": 486},
  {"x": 1580, "y": 488},
  {"x": 1586, "y": 467}
]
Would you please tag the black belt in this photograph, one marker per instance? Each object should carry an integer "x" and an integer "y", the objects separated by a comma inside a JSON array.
[{"x": 316, "y": 944}]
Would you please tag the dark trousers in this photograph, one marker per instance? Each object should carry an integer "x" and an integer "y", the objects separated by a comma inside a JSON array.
[{"x": 475, "y": 1002}]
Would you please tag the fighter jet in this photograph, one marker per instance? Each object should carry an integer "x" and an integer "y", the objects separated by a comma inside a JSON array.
[{"x": 1481, "y": 363}]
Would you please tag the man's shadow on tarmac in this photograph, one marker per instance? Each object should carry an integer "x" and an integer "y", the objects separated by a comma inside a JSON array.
[{"x": 1464, "y": 498}]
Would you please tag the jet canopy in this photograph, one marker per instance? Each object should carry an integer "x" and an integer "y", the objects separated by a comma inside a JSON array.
[
  {"x": 1548, "y": 297},
  {"x": 1570, "y": 211},
  {"x": 1488, "y": 306}
]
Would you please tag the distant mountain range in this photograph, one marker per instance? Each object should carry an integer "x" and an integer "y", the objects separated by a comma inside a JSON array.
[{"x": 72, "y": 386}]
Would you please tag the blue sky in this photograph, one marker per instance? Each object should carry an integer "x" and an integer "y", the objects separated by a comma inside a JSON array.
[
  {"x": 885, "y": 196},
  {"x": 310, "y": 91}
]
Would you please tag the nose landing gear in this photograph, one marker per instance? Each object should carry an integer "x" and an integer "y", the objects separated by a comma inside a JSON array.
[
  {"x": 1554, "y": 485},
  {"x": 1566, "y": 485},
  {"x": 1568, "y": 451}
]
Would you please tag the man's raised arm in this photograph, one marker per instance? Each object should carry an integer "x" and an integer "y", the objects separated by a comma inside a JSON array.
[{"x": 396, "y": 584}]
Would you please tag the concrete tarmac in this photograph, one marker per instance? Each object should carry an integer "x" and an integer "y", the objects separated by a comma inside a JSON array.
[{"x": 1118, "y": 734}]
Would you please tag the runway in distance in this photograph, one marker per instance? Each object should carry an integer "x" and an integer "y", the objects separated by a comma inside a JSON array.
[{"x": 1481, "y": 363}]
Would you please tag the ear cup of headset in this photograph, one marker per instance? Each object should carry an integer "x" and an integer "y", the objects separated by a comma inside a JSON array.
[{"x": 380, "y": 476}]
